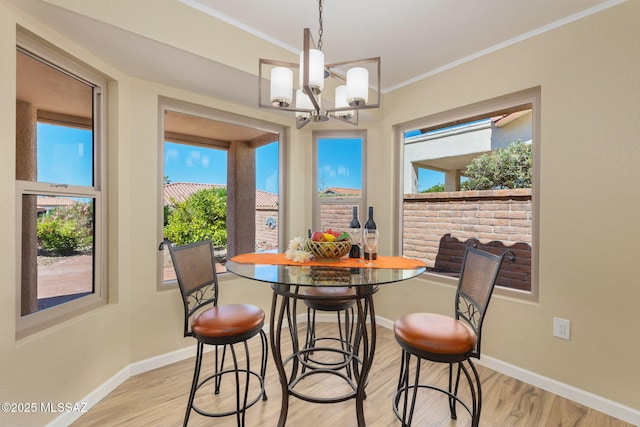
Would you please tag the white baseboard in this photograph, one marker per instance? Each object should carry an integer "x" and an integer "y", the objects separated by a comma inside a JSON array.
[
  {"x": 599, "y": 403},
  {"x": 164, "y": 359},
  {"x": 609, "y": 407},
  {"x": 108, "y": 386},
  {"x": 66, "y": 418}
]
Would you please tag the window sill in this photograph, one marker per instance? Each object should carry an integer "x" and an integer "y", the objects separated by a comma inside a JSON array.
[{"x": 513, "y": 294}]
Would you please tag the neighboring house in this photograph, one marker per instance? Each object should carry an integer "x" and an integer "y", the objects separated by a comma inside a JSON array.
[
  {"x": 450, "y": 150},
  {"x": 266, "y": 209},
  {"x": 340, "y": 191},
  {"x": 179, "y": 191},
  {"x": 46, "y": 204}
]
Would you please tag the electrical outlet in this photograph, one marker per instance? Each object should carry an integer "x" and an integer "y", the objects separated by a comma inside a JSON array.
[{"x": 561, "y": 328}]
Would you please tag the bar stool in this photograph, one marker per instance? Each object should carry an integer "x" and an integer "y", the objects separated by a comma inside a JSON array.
[
  {"x": 452, "y": 340},
  {"x": 218, "y": 325}
]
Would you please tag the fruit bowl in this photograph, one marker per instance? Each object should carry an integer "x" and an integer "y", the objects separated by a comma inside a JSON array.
[{"x": 328, "y": 251}]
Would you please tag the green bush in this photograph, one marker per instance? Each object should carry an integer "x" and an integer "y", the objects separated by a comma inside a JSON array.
[
  {"x": 202, "y": 215},
  {"x": 66, "y": 230},
  {"x": 508, "y": 167},
  {"x": 438, "y": 188},
  {"x": 59, "y": 236}
]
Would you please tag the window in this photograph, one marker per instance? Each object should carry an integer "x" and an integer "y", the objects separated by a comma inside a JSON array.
[
  {"x": 339, "y": 176},
  {"x": 450, "y": 196},
  {"x": 220, "y": 180},
  {"x": 60, "y": 155}
]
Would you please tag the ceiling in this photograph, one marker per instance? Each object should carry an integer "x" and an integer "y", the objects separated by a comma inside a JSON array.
[
  {"x": 52, "y": 91},
  {"x": 413, "y": 38}
]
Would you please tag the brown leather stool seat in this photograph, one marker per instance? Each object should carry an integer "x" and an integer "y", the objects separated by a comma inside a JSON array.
[
  {"x": 225, "y": 324},
  {"x": 435, "y": 334},
  {"x": 326, "y": 298}
]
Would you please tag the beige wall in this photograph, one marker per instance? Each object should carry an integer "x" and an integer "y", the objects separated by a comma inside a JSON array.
[
  {"x": 68, "y": 360},
  {"x": 588, "y": 75},
  {"x": 589, "y": 145}
]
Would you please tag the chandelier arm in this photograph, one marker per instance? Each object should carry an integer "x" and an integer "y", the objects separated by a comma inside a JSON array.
[
  {"x": 352, "y": 121},
  {"x": 302, "y": 122},
  {"x": 362, "y": 107},
  {"x": 354, "y": 62},
  {"x": 312, "y": 98}
]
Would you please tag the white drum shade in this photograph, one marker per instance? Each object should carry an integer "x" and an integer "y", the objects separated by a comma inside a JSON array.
[
  {"x": 357, "y": 86},
  {"x": 281, "y": 86},
  {"x": 341, "y": 102}
]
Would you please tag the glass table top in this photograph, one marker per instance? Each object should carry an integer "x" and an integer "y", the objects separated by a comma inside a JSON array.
[{"x": 304, "y": 275}]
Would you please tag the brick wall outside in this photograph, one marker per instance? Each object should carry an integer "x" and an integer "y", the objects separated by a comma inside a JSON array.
[
  {"x": 437, "y": 226},
  {"x": 336, "y": 217},
  {"x": 333, "y": 216},
  {"x": 266, "y": 237}
]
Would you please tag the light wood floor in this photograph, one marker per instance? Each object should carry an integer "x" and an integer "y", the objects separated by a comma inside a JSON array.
[{"x": 159, "y": 397}]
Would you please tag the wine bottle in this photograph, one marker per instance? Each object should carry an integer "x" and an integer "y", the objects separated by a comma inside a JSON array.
[
  {"x": 370, "y": 225},
  {"x": 356, "y": 233}
]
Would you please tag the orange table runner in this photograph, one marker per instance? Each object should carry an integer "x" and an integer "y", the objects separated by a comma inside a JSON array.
[{"x": 279, "y": 259}]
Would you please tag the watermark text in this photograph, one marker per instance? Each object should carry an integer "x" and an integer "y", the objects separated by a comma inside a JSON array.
[{"x": 49, "y": 407}]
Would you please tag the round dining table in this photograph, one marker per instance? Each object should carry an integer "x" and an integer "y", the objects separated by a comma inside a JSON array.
[{"x": 289, "y": 281}]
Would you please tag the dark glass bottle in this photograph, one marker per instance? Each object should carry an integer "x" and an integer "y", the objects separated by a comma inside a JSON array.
[
  {"x": 371, "y": 225},
  {"x": 355, "y": 232}
]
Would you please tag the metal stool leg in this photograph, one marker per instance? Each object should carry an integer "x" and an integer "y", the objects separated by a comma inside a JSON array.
[{"x": 194, "y": 383}]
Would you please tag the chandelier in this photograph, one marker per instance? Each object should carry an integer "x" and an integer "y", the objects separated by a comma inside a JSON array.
[{"x": 351, "y": 88}]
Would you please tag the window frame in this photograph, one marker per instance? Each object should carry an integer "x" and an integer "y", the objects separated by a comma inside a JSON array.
[
  {"x": 184, "y": 107},
  {"x": 74, "y": 68},
  {"x": 514, "y": 100},
  {"x": 318, "y": 201}
]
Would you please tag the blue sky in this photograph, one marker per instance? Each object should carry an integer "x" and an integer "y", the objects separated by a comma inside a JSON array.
[
  {"x": 338, "y": 160},
  {"x": 267, "y": 168},
  {"x": 339, "y": 163},
  {"x": 190, "y": 163},
  {"x": 65, "y": 156},
  {"x": 428, "y": 178}
]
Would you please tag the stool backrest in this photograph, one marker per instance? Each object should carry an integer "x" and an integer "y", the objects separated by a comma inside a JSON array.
[
  {"x": 475, "y": 286},
  {"x": 195, "y": 268}
]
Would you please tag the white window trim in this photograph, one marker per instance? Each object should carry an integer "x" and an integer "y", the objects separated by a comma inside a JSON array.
[
  {"x": 525, "y": 97},
  {"x": 318, "y": 201},
  {"x": 40, "y": 320}
]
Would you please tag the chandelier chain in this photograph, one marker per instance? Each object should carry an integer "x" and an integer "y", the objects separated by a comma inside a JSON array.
[{"x": 320, "y": 29}]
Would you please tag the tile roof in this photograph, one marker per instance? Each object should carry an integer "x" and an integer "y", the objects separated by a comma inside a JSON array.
[
  {"x": 342, "y": 191},
  {"x": 266, "y": 199},
  {"x": 50, "y": 202},
  {"x": 179, "y": 191}
]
